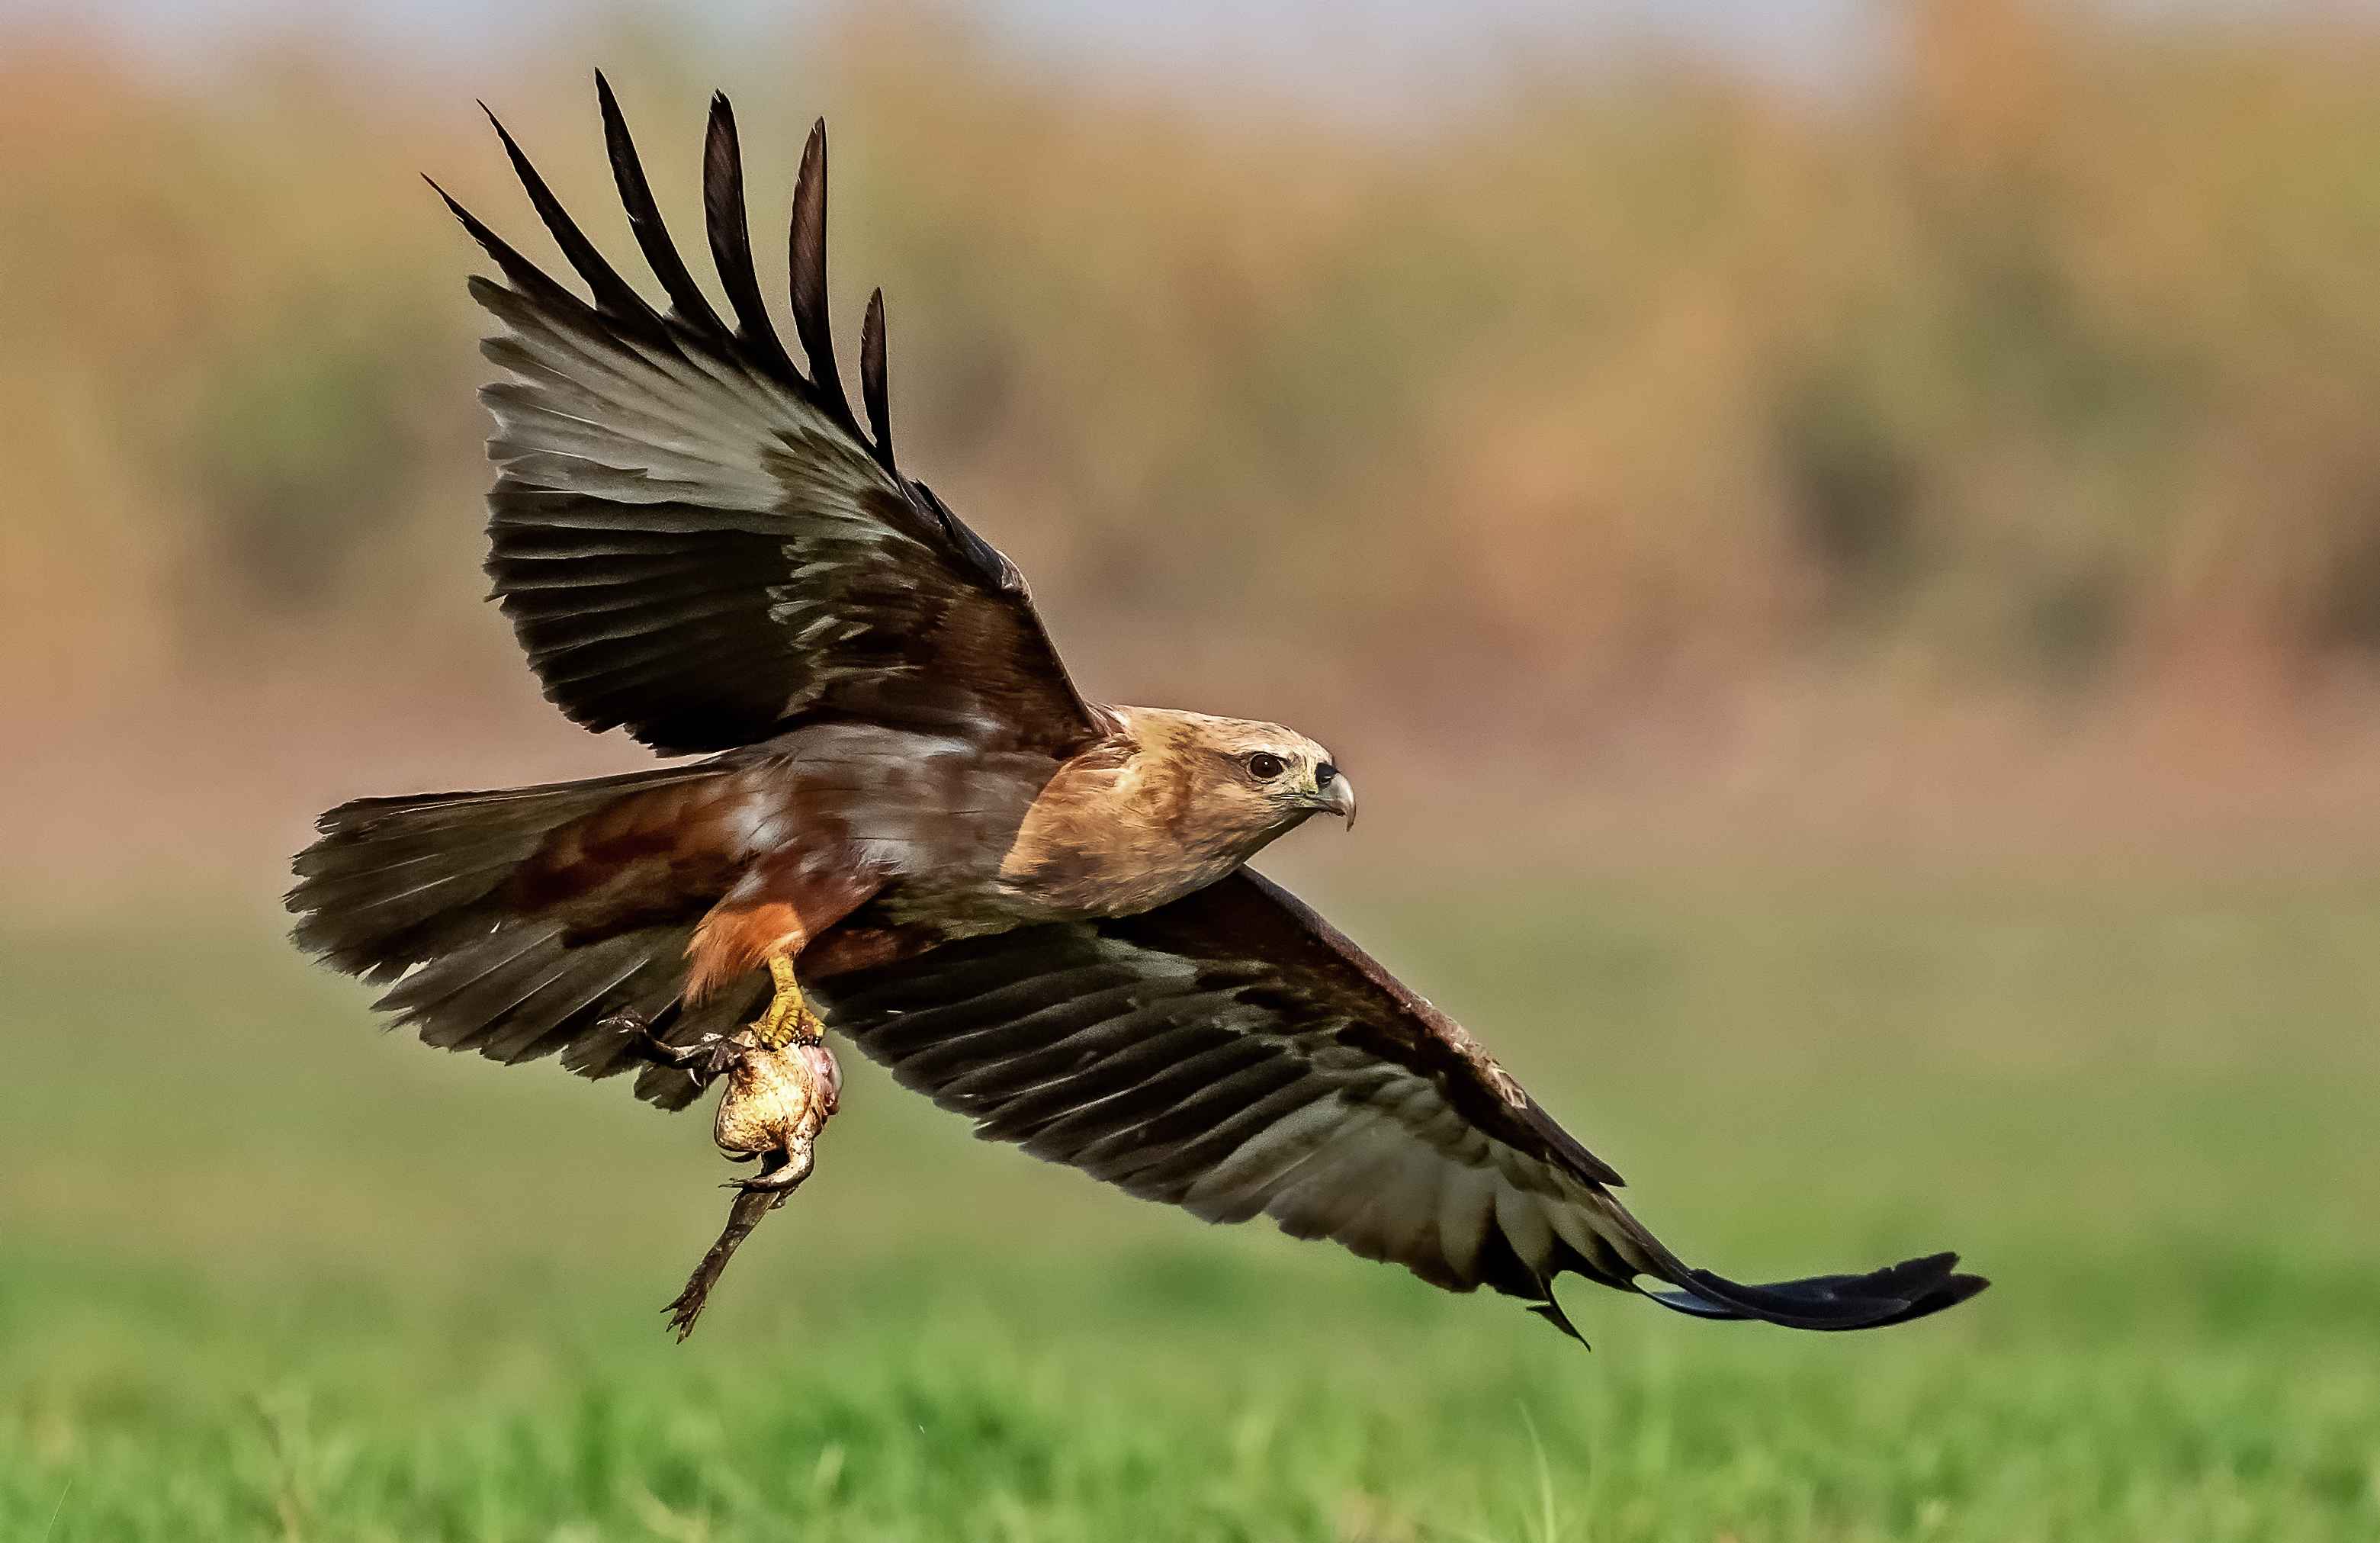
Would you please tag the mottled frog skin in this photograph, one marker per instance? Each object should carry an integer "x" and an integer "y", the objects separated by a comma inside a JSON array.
[{"x": 777, "y": 1100}]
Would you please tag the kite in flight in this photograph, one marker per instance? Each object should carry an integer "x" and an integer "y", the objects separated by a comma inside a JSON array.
[{"x": 910, "y": 826}]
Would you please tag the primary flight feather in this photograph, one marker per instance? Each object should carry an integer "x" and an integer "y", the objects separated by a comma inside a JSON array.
[{"x": 1032, "y": 907}]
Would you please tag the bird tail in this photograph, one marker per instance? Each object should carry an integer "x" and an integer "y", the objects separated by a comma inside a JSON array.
[{"x": 413, "y": 891}]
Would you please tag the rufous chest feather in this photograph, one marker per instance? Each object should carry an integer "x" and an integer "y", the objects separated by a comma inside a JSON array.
[{"x": 1107, "y": 841}]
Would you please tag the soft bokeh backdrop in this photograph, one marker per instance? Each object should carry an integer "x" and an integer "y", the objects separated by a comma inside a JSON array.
[{"x": 1842, "y": 542}]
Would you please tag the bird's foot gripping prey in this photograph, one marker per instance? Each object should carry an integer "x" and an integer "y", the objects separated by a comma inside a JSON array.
[
  {"x": 1029, "y": 906},
  {"x": 779, "y": 1097},
  {"x": 788, "y": 1019}
]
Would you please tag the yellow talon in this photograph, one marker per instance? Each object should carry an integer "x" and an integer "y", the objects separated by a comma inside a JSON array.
[{"x": 788, "y": 1017}]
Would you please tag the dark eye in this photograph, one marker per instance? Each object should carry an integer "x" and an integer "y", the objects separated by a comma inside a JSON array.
[
  {"x": 1263, "y": 766},
  {"x": 1325, "y": 774}
]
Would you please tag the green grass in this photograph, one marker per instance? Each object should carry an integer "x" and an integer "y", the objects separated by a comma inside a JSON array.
[{"x": 264, "y": 1273}]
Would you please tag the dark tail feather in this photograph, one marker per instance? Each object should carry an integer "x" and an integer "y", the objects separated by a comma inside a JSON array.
[{"x": 410, "y": 890}]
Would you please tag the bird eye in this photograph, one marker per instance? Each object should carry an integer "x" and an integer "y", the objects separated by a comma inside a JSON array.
[
  {"x": 1325, "y": 774},
  {"x": 1263, "y": 766}
]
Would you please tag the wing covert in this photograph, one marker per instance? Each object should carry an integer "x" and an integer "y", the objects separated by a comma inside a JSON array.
[
  {"x": 1233, "y": 1054},
  {"x": 695, "y": 540}
]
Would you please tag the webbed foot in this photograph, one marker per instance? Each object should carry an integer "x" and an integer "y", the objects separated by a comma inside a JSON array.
[{"x": 759, "y": 1195}]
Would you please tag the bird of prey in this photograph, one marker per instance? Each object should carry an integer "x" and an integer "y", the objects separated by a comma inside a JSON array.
[{"x": 907, "y": 825}]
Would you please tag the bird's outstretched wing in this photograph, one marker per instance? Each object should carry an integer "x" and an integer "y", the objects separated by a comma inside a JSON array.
[
  {"x": 1234, "y": 1055},
  {"x": 695, "y": 539}
]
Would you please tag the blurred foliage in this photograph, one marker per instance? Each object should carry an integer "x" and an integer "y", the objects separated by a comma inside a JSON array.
[
  {"x": 271, "y": 1275},
  {"x": 2048, "y": 359},
  {"x": 2045, "y": 362}
]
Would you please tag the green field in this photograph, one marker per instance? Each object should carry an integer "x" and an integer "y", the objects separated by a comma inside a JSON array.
[{"x": 269, "y": 1274}]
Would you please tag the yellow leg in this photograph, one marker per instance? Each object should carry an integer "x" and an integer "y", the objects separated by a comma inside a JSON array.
[{"x": 788, "y": 1017}]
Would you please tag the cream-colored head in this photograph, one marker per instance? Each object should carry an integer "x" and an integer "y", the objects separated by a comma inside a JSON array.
[
  {"x": 1168, "y": 803},
  {"x": 1241, "y": 779}
]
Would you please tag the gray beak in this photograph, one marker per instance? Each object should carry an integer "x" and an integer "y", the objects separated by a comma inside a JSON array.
[{"x": 1340, "y": 798}]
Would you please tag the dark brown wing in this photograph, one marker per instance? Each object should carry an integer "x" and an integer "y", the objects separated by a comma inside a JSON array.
[
  {"x": 1234, "y": 1055},
  {"x": 695, "y": 540}
]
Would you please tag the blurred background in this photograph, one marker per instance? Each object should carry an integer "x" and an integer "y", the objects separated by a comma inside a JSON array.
[{"x": 1842, "y": 542}]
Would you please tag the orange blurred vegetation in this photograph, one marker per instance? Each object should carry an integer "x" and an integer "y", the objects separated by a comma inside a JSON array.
[{"x": 2045, "y": 370}]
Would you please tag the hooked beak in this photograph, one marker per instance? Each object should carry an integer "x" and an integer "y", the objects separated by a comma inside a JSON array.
[{"x": 1340, "y": 798}]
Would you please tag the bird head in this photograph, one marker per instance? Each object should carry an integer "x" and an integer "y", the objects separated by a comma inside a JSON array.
[{"x": 1254, "y": 779}]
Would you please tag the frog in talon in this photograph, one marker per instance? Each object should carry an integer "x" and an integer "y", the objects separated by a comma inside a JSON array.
[
  {"x": 777, "y": 1099},
  {"x": 776, "y": 1102}
]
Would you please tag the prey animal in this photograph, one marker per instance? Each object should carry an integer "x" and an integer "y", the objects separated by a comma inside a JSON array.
[{"x": 906, "y": 823}]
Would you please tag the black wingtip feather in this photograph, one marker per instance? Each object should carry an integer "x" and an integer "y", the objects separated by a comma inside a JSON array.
[
  {"x": 729, "y": 233},
  {"x": 1897, "y": 1293},
  {"x": 872, "y": 389},
  {"x": 806, "y": 252},
  {"x": 686, "y": 299},
  {"x": 731, "y": 241},
  {"x": 518, "y": 271},
  {"x": 614, "y": 297}
]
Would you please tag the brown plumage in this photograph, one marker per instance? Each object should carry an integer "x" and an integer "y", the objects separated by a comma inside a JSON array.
[{"x": 1032, "y": 907}]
